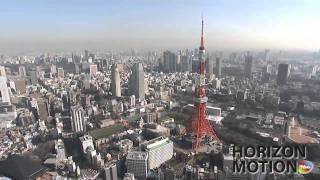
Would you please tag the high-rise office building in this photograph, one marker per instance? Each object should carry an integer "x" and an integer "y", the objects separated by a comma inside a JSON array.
[
  {"x": 22, "y": 71},
  {"x": 266, "y": 54},
  {"x": 4, "y": 91},
  {"x": 77, "y": 68},
  {"x": 195, "y": 65},
  {"x": 185, "y": 63},
  {"x": 115, "y": 82},
  {"x": 86, "y": 55},
  {"x": 33, "y": 77},
  {"x": 169, "y": 62},
  {"x": 268, "y": 68},
  {"x": 178, "y": 62},
  {"x": 103, "y": 65},
  {"x": 93, "y": 69},
  {"x": 209, "y": 66},
  {"x": 137, "y": 79},
  {"x": 283, "y": 74},
  {"x": 248, "y": 65},
  {"x": 137, "y": 164},
  {"x": 132, "y": 100},
  {"x": 111, "y": 172},
  {"x": 39, "y": 71},
  {"x": 53, "y": 69},
  {"x": 159, "y": 151},
  {"x": 78, "y": 123},
  {"x": 60, "y": 73},
  {"x": 218, "y": 67}
]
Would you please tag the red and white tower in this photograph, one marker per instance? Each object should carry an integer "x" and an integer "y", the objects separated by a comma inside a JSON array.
[{"x": 200, "y": 126}]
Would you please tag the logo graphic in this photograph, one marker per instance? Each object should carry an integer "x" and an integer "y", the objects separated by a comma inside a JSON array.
[{"x": 305, "y": 167}]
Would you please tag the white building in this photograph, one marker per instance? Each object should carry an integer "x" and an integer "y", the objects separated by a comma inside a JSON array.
[
  {"x": 137, "y": 163},
  {"x": 22, "y": 71},
  {"x": 53, "y": 69},
  {"x": 111, "y": 172},
  {"x": 4, "y": 91},
  {"x": 214, "y": 114},
  {"x": 86, "y": 143},
  {"x": 115, "y": 82},
  {"x": 216, "y": 83},
  {"x": 60, "y": 73},
  {"x": 159, "y": 151},
  {"x": 59, "y": 147},
  {"x": 78, "y": 122},
  {"x": 133, "y": 101}
]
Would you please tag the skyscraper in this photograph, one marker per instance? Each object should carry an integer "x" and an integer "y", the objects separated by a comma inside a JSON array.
[
  {"x": 132, "y": 100},
  {"x": 248, "y": 66},
  {"x": 93, "y": 69},
  {"x": 115, "y": 82},
  {"x": 218, "y": 67},
  {"x": 4, "y": 91},
  {"x": 77, "y": 68},
  {"x": 283, "y": 74},
  {"x": 209, "y": 66},
  {"x": 77, "y": 119},
  {"x": 111, "y": 172},
  {"x": 60, "y": 73},
  {"x": 266, "y": 54},
  {"x": 185, "y": 63},
  {"x": 178, "y": 62},
  {"x": 86, "y": 55},
  {"x": 22, "y": 71},
  {"x": 33, "y": 77},
  {"x": 53, "y": 69},
  {"x": 169, "y": 62},
  {"x": 137, "y": 81}
]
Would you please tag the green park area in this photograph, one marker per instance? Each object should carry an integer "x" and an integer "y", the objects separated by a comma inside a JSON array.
[{"x": 107, "y": 131}]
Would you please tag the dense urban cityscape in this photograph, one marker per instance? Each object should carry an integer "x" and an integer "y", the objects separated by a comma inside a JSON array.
[{"x": 155, "y": 114}]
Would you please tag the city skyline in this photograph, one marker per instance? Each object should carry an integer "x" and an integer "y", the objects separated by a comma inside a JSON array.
[
  {"x": 137, "y": 90},
  {"x": 35, "y": 26}
]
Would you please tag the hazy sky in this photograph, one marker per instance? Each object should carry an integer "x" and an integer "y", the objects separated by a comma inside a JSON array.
[{"x": 43, "y": 25}]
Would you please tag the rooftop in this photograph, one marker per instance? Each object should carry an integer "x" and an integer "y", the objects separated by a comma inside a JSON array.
[
  {"x": 156, "y": 143},
  {"x": 20, "y": 167},
  {"x": 137, "y": 155}
]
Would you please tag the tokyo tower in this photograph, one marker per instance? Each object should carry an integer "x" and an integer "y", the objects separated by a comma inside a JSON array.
[{"x": 200, "y": 126}]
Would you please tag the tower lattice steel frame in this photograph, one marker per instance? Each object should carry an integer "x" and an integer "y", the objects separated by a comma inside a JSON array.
[{"x": 200, "y": 126}]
